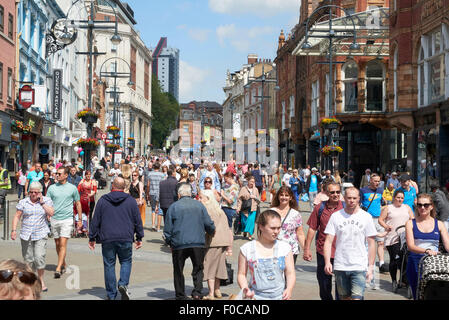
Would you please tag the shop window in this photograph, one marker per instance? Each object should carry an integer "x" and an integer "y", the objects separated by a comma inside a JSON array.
[
  {"x": 374, "y": 86},
  {"x": 350, "y": 75}
]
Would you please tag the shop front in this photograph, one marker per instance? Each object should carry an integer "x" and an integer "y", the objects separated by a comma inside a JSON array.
[
  {"x": 5, "y": 136},
  {"x": 30, "y": 139}
]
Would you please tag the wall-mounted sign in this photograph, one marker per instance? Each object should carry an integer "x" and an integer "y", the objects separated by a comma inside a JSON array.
[
  {"x": 57, "y": 95},
  {"x": 26, "y": 96}
]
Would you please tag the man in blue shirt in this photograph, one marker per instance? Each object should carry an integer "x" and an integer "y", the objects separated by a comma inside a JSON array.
[
  {"x": 394, "y": 180},
  {"x": 258, "y": 177},
  {"x": 312, "y": 186},
  {"x": 409, "y": 192},
  {"x": 371, "y": 202},
  {"x": 34, "y": 176}
]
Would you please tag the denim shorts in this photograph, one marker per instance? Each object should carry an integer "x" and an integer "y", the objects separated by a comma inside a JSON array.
[{"x": 350, "y": 284}]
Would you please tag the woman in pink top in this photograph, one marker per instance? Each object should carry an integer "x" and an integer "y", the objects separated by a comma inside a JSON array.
[{"x": 392, "y": 217}]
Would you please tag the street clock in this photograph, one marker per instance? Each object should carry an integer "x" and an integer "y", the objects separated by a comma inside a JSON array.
[{"x": 64, "y": 32}]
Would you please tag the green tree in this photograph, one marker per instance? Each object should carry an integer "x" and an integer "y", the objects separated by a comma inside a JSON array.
[{"x": 165, "y": 109}]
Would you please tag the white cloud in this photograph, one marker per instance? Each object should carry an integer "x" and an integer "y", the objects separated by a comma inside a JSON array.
[
  {"x": 262, "y": 8},
  {"x": 191, "y": 78},
  {"x": 199, "y": 34},
  {"x": 242, "y": 39}
]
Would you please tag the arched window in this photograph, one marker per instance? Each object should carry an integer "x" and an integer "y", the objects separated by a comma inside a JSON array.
[
  {"x": 374, "y": 86},
  {"x": 350, "y": 76}
]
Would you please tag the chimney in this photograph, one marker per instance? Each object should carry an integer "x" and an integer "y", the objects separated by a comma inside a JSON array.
[{"x": 252, "y": 58}]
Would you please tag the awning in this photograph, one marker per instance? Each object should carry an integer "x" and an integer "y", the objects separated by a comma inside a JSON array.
[{"x": 371, "y": 28}]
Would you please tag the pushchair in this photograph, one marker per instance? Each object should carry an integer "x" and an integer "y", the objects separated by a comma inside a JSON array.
[
  {"x": 403, "y": 283},
  {"x": 433, "y": 277}
]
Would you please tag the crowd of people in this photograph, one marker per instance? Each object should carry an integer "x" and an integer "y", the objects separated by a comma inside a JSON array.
[{"x": 200, "y": 208}]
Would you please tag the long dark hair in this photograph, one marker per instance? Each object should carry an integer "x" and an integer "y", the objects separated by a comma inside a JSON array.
[{"x": 275, "y": 202}]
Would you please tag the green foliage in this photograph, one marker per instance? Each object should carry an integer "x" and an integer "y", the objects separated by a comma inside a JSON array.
[{"x": 165, "y": 109}]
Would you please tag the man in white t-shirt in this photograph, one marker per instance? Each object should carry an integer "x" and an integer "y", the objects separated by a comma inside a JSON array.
[
  {"x": 353, "y": 227},
  {"x": 114, "y": 172},
  {"x": 286, "y": 177}
]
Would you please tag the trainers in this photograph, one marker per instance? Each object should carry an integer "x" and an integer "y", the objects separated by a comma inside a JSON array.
[{"x": 124, "y": 292}]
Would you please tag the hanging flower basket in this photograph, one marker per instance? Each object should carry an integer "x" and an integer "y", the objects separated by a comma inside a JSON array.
[
  {"x": 331, "y": 151},
  {"x": 117, "y": 136},
  {"x": 113, "y": 129},
  {"x": 87, "y": 116},
  {"x": 112, "y": 146},
  {"x": 330, "y": 123},
  {"x": 88, "y": 144}
]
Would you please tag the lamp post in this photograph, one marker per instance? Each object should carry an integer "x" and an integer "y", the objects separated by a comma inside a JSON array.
[
  {"x": 114, "y": 92},
  {"x": 331, "y": 35},
  {"x": 65, "y": 32}
]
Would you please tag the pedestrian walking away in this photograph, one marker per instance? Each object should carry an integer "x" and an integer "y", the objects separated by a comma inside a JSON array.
[
  {"x": 187, "y": 221},
  {"x": 116, "y": 225},
  {"x": 63, "y": 195},
  {"x": 317, "y": 225},
  {"x": 353, "y": 263}
]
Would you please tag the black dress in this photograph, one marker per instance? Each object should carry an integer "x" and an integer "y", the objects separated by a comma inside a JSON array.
[{"x": 134, "y": 190}]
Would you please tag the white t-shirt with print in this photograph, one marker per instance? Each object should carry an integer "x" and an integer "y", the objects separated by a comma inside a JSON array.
[
  {"x": 351, "y": 231},
  {"x": 283, "y": 250}
]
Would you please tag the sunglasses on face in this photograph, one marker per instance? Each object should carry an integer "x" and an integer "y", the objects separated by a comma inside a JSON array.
[
  {"x": 33, "y": 192},
  {"x": 334, "y": 192},
  {"x": 24, "y": 277},
  {"x": 423, "y": 205},
  {"x": 207, "y": 181}
]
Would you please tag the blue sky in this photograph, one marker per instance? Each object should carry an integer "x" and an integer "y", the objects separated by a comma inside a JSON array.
[{"x": 214, "y": 36}]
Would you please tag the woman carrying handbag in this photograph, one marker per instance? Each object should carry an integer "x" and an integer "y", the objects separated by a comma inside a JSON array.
[{"x": 247, "y": 205}]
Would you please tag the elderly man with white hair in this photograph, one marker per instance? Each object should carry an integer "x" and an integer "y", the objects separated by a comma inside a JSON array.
[
  {"x": 186, "y": 224},
  {"x": 34, "y": 211}
]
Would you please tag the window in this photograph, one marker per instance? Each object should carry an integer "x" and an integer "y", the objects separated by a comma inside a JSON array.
[
  {"x": 395, "y": 79},
  {"x": 292, "y": 106},
  {"x": 10, "y": 85},
  {"x": 186, "y": 128},
  {"x": 350, "y": 76},
  {"x": 1, "y": 80},
  {"x": 432, "y": 64},
  {"x": 374, "y": 86},
  {"x": 10, "y": 26},
  {"x": 2, "y": 20},
  {"x": 114, "y": 48},
  {"x": 315, "y": 102},
  {"x": 283, "y": 115}
]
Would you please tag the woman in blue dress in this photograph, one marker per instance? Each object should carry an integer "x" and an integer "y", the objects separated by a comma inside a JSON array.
[{"x": 423, "y": 235}]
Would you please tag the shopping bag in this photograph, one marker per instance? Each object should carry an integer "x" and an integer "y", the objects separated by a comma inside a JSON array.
[
  {"x": 305, "y": 197},
  {"x": 263, "y": 197},
  {"x": 230, "y": 279}
]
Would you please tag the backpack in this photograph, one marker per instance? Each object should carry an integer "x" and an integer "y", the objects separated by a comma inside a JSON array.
[{"x": 320, "y": 212}]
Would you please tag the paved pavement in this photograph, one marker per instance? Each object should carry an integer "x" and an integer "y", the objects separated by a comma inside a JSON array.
[{"x": 152, "y": 272}]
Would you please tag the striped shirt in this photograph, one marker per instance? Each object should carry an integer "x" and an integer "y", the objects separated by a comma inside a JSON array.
[
  {"x": 155, "y": 178},
  {"x": 34, "y": 219}
]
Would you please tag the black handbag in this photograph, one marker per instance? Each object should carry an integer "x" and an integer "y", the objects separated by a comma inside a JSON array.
[
  {"x": 246, "y": 205},
  {"x": 230, "y": 279}
]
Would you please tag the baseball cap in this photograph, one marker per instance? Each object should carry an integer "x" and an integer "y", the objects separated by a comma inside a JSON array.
[
  {"x": 405, "y": 177},
  {"x": 394, "y": 173},
  {"x": 314, "y": 169}
]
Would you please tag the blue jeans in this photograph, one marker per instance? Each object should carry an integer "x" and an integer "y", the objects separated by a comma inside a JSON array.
[
  {"x": 110, "y": 251},
  {"x": 230, "y": 214},
  {"x": 21, "y": 191},
  {"x": 350, "y": 284}
]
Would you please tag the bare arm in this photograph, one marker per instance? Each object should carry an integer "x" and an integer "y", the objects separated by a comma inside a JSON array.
[
  {"x": 290, "y": 275},
  {"x": 371, "y": 257},
  {"x": 15, "y": 221},
  {"x": 444, "y": 235},
  {"x": 327, "y": 254},
  {"x": 382, "y": 218},
  {"x": 241, "y": 276},
  {"x": 301, "y": 236},
  {"x": 307, "y": 256}
]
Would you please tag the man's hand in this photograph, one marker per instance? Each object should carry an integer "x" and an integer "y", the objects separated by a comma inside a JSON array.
[
  {"x": 328, "y": 269},
  {"x": 80, "y": 223},
  {"x": 307, "y": 256},
  {"x": 138, "y": 245},
  {"x": 92, "y": 245}
]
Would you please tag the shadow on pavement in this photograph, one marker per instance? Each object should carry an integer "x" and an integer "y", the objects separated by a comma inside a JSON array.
[
  {"x": 50, "y": 267},
  {"x": 94, "y": 291},
  {"x": 162, "y": 293},
  {"x": 305, "y": 268}
]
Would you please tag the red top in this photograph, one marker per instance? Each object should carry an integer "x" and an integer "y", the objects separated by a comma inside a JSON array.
[{"x": 321, "y": 226}]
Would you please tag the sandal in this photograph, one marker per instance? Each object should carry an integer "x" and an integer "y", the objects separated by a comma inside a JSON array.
[
  {"x": 218, "y": 294},
  {"x": 208, "y": 297},
  {"x": 57, "y": 274},
  {"x": 63, "y": 270},
  {"x": 44, "y": 289}
]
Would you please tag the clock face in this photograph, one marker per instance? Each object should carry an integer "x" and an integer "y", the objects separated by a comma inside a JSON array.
[{"x": 64, "y": 32}]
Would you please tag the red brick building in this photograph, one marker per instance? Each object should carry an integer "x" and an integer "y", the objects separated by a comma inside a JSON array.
[
  {"x": 7, "y": 72},
  {"x": 418, "y": 88}
]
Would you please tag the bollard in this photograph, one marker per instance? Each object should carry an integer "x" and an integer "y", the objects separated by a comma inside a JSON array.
[{"x": 6, "y": 220}]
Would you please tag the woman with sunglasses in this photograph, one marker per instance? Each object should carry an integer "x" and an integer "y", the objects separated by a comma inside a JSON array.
[
  {"x": 208, "y": 186},
  {"x": 34, "y": 211},
  {"x": 136, "y": 191},
  {"x": 292, "y": 232},
  {"x": 423, "y": 235},
  {"x": 18, "y": 281},
  {"x": 393, "y": 216}
]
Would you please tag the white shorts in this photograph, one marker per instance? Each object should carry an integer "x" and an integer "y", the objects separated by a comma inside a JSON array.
[
  {"x": 61, "y": 228},
  {"x": 379, "y": 229}
]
